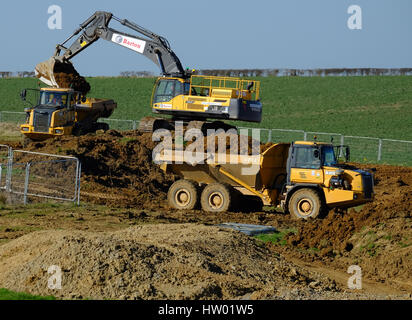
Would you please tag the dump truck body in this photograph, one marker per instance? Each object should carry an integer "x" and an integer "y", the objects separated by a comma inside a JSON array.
[
  {"x": 60, "y": 112},
  {"x": 278, "y": 174}
]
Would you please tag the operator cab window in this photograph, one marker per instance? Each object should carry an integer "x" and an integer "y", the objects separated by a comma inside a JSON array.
[
  {"x": 305, "y": 157},
  {"x": 53, "y": 99},
  {"x": 328, "y": 156},
  {"x": 166, "y": 90}
]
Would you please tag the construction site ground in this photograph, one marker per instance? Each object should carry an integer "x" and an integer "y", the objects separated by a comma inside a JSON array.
[{"x": 124, "y": 242}]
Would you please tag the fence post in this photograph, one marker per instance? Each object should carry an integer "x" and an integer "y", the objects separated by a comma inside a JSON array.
[
  {"x": 342, "y": 141},
  {"x": 305, "y": 135},
  {"x": 26, "y": 182},
  {"x": 380, "y": 150},
  {"x": 1, "y": 116},
  {"x": 270, "y": 136},
  {"x": 9, "y": 170},
  {"x": 134, "y": 125},
  {"x": 78, "y": 182}
]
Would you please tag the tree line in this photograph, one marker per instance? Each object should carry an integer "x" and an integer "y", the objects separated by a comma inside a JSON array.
[
  {"x": 257, "y": 72},
  {"x": 306, "y": 72}
]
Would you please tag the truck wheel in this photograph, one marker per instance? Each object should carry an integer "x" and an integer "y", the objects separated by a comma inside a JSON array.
[
  {"x": 305, "y": 203},
  {"x": 183, "y": 195},
  {"x": 216, "y": 197}
]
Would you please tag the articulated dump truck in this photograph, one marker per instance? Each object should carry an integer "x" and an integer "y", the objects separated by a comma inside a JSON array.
[
  {"x": 60, "y": 111},
  {"x": 303, "y": 178}
]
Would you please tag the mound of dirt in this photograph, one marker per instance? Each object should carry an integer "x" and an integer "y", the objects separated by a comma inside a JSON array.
[
  {"x": 178, "y": 261},
  {"x": 67, "y": 77},
  {"x": 117, "y": 168}
]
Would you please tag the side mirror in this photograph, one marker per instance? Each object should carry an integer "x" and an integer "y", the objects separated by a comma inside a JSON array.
[
  {"x": 23, "y": 94},
  {"x": 347, "y": 154},
  {"x": 316, "y": 153}
]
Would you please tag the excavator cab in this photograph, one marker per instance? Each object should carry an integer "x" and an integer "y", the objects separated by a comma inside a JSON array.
[
  {"x": 168, "y": 88},
  {"x": 207, "y": 97}
]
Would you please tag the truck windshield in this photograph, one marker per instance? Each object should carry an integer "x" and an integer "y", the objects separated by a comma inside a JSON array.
[
  {"x": 328, "y": 156},
  {"x": 51, "y": 98}
]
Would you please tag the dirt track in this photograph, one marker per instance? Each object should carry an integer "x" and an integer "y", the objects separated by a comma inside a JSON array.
[{"x": 117, "y": 172}]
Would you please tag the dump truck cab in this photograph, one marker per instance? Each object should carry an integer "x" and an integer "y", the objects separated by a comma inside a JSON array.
[
  {"x": 53, "y": 115},
  {"x": 63, "y": 111},
  {"x": 313, "y": 170}
]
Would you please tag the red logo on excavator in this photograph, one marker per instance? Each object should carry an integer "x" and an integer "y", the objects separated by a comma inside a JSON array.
[{"x": 131, "y": 43}]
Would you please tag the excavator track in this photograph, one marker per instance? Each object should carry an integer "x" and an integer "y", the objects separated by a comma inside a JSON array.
[{"x": 151, "y": 124}]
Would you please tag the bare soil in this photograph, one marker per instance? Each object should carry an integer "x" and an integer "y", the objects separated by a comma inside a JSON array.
[
  {"x": 125, "y": 189},
  {"x": 66, "y": 76}
]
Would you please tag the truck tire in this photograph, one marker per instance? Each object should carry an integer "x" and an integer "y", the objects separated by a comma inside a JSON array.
[
  {"x": 306, "y": 203},
  {"x": 183, "y": 195},
  {"x": 216, "y": 197}
]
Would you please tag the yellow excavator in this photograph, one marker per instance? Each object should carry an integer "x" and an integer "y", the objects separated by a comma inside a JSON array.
[{"x": 178, "y": 92}]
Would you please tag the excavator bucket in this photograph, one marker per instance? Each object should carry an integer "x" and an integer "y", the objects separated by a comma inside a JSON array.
[
  {"x": 45, "y": 72},
  {"x": 59, "y": 74}
]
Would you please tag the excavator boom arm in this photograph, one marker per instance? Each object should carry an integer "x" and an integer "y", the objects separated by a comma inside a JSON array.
[{"x": 154, "y": 47}]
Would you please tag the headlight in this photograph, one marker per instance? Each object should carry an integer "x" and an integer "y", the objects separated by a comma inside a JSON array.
[
  {"x": 25, "y": 129},
  {"x": 58, "y": 131}
]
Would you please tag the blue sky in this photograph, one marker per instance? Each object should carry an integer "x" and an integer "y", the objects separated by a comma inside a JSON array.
[{"x": 218, "y": 34}]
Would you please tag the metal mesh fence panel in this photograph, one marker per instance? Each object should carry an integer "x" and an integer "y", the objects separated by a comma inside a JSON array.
[
  {"x": 324, "y": 137},
  {"x": 396, "y": 152},
  {"x": 121, "y": 125},
  {"x": 12, "y": 117},
  {"x": 362, "y": 149},
  {"x": 4, "y": 157},
  {"x": 48, "y": 176},
  {"x": 283, "y": 135}
]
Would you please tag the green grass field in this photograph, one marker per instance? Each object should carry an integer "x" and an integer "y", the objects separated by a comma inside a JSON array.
[
  {"x": 11, "y": 295},
  {"x": 374, "y": 106}
]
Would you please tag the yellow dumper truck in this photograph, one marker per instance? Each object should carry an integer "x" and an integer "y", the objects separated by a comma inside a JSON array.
[
  {"x": 304, "y": 178},
  {"x": 60, "y": 111}
]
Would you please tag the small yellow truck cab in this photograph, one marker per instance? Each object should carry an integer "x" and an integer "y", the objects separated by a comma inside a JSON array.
[
  {"x": 313, "y": 167},
  {"x": 62, "y": 111}
]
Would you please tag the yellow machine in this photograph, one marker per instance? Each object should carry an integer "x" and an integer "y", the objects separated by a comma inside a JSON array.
[
  {"x": 179, "y": 93},
  {"x": 201, "y": 97},
  {"x": 64, "y": 112},
  {"x": 303, "y": 178}
]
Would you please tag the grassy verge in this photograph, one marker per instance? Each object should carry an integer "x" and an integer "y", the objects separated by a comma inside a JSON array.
[
  {"x": 12, "y": 295},
  {"x": 277, "y": 238}
]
